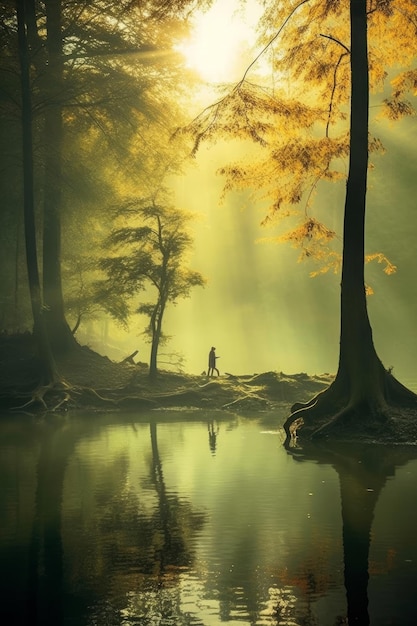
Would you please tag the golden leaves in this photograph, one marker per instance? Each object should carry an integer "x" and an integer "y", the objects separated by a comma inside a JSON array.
[
  {"x": 252, "y": 112},
  {"x": 406, "y": 81},
  {"x": 396, "y": 106},
  {"x": 313, "y": 238},
  {"x": 389, "y": 268},
  {"x": 296, "y": 128},
  {"x": 309, "y": 230},
  {"x": 396, "y": 109}
]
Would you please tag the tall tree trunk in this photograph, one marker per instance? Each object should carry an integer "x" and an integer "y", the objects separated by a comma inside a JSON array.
[
  {"x": 48, "y": 368},
  {"x": 359, "y": 363},
  {"x": 58, "y": 328}
]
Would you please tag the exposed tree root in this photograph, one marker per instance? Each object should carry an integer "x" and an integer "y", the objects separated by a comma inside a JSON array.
[
  {"x": 397, "y": 393},
  {"x": 324, "y": 403},
  {"x": 335, "y": 410},
  {"x": 53, "y": 389},
  {"x": 37, "y": 397},
  {"x": 63, "y": 396}
]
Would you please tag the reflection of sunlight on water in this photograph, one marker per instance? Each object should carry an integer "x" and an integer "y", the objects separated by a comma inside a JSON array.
[
  {"x": 280, "y": 606},
  {"x": 189, "y": 600}
]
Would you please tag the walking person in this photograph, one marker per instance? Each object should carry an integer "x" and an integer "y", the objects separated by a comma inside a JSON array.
[{"x": 212, "y": 363}]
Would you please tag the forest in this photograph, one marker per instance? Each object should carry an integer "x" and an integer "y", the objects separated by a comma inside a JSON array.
[{"x": 98, "y": 119}]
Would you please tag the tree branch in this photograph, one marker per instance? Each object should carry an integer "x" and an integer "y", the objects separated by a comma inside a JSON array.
[
  {"x": 336, "y": 41},
  {"x": 271, "y": 41}
]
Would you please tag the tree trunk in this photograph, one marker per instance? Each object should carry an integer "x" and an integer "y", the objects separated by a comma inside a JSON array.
[
  {"x": 58, "y": 328},
  {"x": 358, "y": 360},
  {"x": 156, "y": 336},
  {"x": 362, "y": 385},
  {"x": 48, "y": 371}
]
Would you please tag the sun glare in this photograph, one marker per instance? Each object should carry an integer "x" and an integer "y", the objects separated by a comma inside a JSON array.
[{"x": 219, "y": 48}]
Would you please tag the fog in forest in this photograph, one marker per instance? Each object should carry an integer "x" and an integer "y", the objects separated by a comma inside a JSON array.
[{"x": 260, "y": 308}]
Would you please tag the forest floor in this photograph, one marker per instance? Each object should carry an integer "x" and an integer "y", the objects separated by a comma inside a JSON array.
[{"x": 92, "y": 381}]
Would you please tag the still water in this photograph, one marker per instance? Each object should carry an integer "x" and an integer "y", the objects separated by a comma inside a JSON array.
[{"x": 201, "y": 519}]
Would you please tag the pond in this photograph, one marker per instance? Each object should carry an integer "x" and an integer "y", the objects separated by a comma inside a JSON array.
[{"x": 201, "y": 518}]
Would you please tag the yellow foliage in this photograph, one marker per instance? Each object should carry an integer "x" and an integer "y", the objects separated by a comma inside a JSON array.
[
  {"x": 389, "y": 268},
  {"x": 298, "y": 123},
  {"x": 309, "y": 230}
]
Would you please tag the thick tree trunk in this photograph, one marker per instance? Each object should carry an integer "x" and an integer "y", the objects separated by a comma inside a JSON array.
[
  {"x": 358, "y": 360},
  {"x": 48, "y": 371},
  {"x": 58, "y": 329}
]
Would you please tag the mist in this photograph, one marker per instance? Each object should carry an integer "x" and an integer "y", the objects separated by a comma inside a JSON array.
[{"x": 260, "y": 308}]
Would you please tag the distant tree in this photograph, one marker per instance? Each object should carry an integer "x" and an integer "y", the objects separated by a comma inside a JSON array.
[
  {"x": 151, "y": 256},
  {"x": 85, "y": 299},
  {"x": 319, "y": 68}
]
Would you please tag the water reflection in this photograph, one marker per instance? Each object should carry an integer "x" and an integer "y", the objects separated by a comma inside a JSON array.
[
  {"x": 363, "y": 472},
  {"x": 213, "y": 431},
  {"x": 112, "y": 520}
]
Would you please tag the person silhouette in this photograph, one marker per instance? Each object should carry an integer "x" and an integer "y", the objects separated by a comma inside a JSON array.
[{"x": 212, "y": 363}]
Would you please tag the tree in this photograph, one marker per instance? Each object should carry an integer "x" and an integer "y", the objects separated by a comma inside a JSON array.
[
  {"x": 319, "y": 68},
  {"x": 152, "y": 255},
  {"x": 362, "y": 385},
  {"x": 48, "y": 368},
  {"x": 99, "y": 73},
  {"x": 91, "y": 46}
]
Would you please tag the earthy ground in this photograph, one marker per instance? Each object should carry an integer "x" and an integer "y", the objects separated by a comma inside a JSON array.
[{"x": 95, "y": 382}]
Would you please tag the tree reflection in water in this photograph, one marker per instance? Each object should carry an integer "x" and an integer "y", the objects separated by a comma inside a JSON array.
[
  {"x": 152, "y": 548},
  {"x": 111, "y": 529},
  {"x": 363, "y": 470},
  {"x": 103, "y": 552}
]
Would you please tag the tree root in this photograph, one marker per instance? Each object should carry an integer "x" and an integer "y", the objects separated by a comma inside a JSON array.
[
  {"x": 58, "y": 396},
  {"x": 397, "y": 393},
  {"x": 334, "y": 410},
  {"x": 324, "y": 403},
  {"x": 38, "y": 396}
]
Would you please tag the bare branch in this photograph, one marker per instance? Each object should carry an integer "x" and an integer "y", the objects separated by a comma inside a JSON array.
[
  {"x": 337, "y": 41},
  {"x": 333, "y": 91},
  {"x": 271, "y": 41}
]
